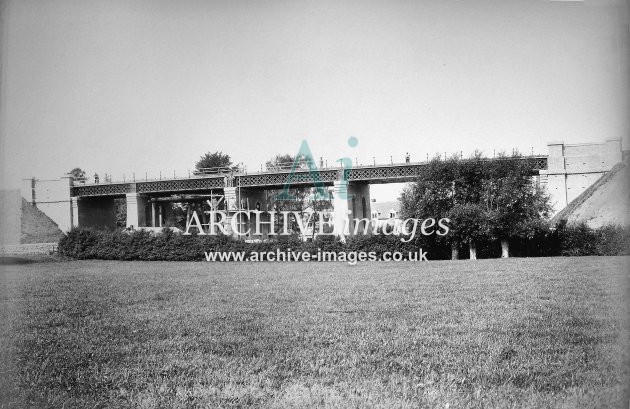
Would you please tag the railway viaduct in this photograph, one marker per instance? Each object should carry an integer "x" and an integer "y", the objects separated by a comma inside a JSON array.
[{"x": 565, "y": 172}]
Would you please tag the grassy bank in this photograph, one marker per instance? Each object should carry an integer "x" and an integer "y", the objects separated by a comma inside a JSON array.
[{"x": 493, "y": 333}]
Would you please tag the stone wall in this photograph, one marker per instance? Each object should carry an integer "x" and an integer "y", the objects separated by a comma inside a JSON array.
[{"x": 573, "y": 168}]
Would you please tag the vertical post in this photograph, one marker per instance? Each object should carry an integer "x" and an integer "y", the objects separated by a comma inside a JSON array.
[
  {"x": 557, "y": 175},
  {"x": 70, "y": 184},
  {"x": 188, "y": 213},
  {"x": 74, "y": 212},
  {"x": 160, "y": 215},
  {"x": 33, "y": 200},
  {"x": 153, "y": 213}
]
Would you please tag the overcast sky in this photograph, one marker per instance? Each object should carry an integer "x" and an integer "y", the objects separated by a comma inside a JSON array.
[{"x": 133, "y": 86}]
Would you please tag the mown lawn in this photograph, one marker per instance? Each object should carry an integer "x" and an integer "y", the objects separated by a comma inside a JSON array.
[{"x": 489, "y": 333}]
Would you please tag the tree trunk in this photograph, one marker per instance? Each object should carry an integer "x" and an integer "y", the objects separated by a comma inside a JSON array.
[
  {"x": 454, "y": 251},
  {"x": 473, "y": 250},
  {"x": 505, "y": 248}
]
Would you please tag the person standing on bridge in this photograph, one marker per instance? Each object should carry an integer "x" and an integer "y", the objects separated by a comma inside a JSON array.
[{"x": 407, "y": 158}]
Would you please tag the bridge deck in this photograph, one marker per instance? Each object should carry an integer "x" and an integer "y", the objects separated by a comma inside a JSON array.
[{"x": 395, "y": 173}]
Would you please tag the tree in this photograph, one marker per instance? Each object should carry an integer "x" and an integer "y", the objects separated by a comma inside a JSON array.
[
  {"x": 469, "y": 224},
  {"x": 280, "y": 162},
  {"x": 213, "y": 160},
  {"x": 78, "y": 175},
  {"x": 443, "y": 190},
  {"x": 516, "y": 207},
  {"x": 431, "y": 194},
  {"x": 485, "y": 199}
]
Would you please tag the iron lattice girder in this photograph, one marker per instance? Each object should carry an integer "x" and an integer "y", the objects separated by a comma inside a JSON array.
[
  {"x": 278, "y": 179},
  {"x": 156, "y": 186},
  {"x": 181, "y": 185},
  {"x": 368, "y": 174},
  {"x": 106, "y": 189}
]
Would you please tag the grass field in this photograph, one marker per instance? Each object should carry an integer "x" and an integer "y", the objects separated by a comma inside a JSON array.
[{"x": 489, "y": 333}]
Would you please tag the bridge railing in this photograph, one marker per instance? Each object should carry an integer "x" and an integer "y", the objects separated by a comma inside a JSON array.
[
  {"x": 320, "y": 163},
  {"x": 375, "y": 161},
  {"x": 219, "y": 170}
]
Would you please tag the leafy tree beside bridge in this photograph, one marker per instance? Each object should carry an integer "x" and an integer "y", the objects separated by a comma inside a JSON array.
[
  {"x": 280, "y": 162},
  {"x": 78, "y": 175},
  {"x": 515, "y": 206},
  {"x": 213, "y": 160},
  {"x": 484, "y": 200}
]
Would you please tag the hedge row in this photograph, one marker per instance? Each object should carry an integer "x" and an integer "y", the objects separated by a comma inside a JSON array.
[
  {"x": 564, "y": 240},
  {"x": 144, "y": 245}
]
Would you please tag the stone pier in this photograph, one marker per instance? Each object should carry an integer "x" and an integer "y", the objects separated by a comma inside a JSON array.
[
  {"x": 136, "y": 210},
  {"x": 351, "y": 201}
]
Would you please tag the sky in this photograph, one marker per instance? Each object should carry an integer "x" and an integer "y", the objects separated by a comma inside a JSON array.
[{"x": 139, "y": 86}]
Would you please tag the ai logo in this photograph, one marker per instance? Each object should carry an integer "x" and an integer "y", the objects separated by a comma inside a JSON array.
[{"x": 305, "y": 154}]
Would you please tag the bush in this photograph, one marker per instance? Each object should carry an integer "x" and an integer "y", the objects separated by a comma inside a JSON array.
[
  {"x": 613, "y": 241},
  {"x": 564, "y": 240}
]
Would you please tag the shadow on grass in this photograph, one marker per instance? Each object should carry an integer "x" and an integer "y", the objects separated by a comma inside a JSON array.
[{"x": 8, "y": 261}]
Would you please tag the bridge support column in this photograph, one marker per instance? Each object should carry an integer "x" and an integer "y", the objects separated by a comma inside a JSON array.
[
  {"x": 351, "y": 202},
  {"x": 136, "y": 210},
  {"x": 74, "y": 212},
  {"x": 153, "y": 213},
  {"x": 156, "y": 216}
]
